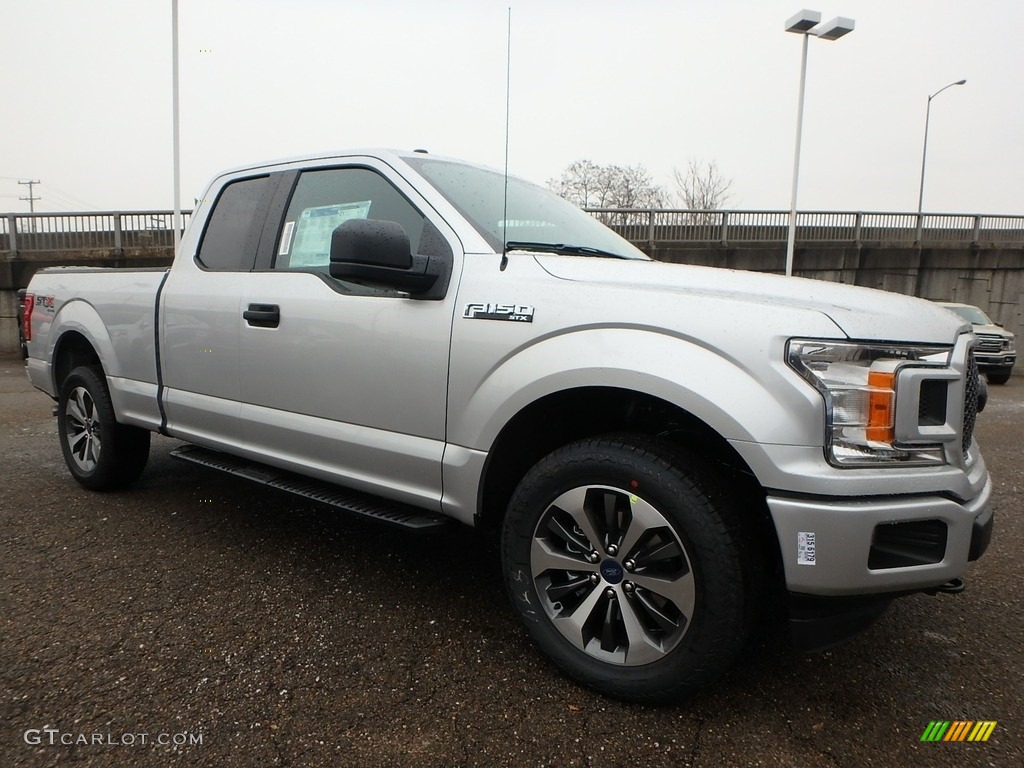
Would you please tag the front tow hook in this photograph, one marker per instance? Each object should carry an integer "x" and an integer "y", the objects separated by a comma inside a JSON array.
[{"x": 953, "y": 587}]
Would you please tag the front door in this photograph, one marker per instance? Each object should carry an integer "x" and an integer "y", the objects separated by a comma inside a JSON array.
[{"x": 344, "y": 381}]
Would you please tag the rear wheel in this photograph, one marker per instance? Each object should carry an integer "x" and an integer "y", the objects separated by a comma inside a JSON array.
[
  {"x": 101, "y": 454},
  {"x": 629, "y": 568}
]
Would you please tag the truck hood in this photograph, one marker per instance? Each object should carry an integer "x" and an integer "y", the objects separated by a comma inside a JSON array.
[
  {"x": 994, "y": 330},
  {"x": 862, "y": 313}
]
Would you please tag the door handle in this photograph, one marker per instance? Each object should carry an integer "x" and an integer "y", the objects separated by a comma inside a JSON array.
[{"x": 263, "y": 315}]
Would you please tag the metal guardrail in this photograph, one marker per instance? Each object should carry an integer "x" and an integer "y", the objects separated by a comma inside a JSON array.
[
  {"x": 677, "y": 226},
  {"x": 88, "y": 231},
  {"x": 117, "y": 230}
]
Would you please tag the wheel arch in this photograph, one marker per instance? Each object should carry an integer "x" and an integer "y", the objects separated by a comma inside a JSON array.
[
  {"x": 81, "y": 339},
  {"x": 563, "y": 417},
  {"x": 575, "y": 385},
  {"x": 72, "y": 350}
]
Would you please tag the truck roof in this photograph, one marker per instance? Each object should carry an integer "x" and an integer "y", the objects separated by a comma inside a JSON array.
[{"x": 388, "y": 155}]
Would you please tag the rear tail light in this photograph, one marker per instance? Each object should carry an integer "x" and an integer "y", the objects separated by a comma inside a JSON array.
[{"x": 26, "y": 316}]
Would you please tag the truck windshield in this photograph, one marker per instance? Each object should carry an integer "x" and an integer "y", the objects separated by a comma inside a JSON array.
[
  {"x": 537, "y": 218},
  {"x": 972, "y": 315}
]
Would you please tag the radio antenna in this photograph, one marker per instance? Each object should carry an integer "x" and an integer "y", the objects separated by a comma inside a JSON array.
[{"x": 508, "y": 90}]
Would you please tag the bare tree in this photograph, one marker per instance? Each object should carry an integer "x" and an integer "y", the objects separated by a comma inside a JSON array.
[
  {"x": 590, "y": 185},
  {"x": 635, "y": 188},
  {"x": 702, "y": 187},
  {"x": 582, "y": 184}
]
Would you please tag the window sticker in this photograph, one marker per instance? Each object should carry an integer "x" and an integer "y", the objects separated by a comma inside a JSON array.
[
  {"x": 286, "y": 238},
  {"x": 805, "y": 548},
  {"x": 312, "y": 243}
]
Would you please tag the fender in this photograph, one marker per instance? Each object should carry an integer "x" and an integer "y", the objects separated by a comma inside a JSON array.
[
  {"x": 742, "y": 405},
  {"x": 80, "y": 316},
  {"x": 129, "y": 366},
  {"x": 766, "y": 405}
]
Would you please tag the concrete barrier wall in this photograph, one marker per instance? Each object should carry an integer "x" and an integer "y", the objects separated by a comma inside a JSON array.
[
  {"x": 8, "y": 321},
  {"x": 991, "y": 278}
]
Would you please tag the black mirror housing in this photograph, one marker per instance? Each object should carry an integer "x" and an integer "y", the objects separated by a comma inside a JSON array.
[
  {"x": 371, "y": 241},
  {"x": 377, "y": 253}
]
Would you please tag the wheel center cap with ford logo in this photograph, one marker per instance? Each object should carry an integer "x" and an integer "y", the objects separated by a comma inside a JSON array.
[{"x": 611, "y": 571}]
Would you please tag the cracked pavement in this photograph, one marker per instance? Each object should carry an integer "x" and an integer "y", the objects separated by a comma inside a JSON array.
[{"x": 285, "y": 633}]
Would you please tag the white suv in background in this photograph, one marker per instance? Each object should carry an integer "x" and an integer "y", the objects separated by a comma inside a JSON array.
[{"x": 995, "y": 351}]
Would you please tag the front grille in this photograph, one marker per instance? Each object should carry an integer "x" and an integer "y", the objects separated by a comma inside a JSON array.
[
  {"x": 989, "y": 343},
  {"x": 971, "y": 387}
]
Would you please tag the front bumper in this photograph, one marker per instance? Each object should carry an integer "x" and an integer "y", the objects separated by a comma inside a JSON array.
[
  {"x": 872, "y": 546},
  {"x": 989, "y": 361}
]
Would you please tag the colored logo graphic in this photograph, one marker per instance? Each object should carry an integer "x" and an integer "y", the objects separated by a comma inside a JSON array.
[{"x": 958, "y": 730}]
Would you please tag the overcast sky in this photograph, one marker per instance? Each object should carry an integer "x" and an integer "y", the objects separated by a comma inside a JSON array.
[{"x": 86, "y": 94}]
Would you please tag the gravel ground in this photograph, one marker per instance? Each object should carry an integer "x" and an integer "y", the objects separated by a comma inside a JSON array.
[{"x": 261, "y": 630}]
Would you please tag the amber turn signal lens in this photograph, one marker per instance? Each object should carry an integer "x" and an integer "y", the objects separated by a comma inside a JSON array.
[{"x": 880, "y": 407}]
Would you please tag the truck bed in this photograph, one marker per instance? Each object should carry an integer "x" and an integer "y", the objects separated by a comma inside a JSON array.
[{"x": 114, "y": 310}]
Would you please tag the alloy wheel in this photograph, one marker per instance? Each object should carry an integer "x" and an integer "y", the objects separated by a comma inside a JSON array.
[{"x": 612, "y": 575}]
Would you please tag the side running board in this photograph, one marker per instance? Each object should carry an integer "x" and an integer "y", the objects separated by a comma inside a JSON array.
[{"x": 363, "y": 504}]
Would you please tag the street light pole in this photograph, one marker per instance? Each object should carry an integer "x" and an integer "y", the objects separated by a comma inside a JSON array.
[
  {"x": 806, "y": 23},
  {"x": 791, "y": 237},
  {"x": 176, "y": 138},
  {"x": 924, "y": 152}
]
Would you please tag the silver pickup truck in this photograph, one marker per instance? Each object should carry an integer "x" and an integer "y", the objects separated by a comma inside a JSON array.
[{"x": 662, "y": 451}]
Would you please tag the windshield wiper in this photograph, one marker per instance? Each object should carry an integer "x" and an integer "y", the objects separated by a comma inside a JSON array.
[{"x": 581, "y": 250}]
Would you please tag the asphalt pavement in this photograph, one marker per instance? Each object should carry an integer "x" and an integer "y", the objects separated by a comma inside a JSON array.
[{"x": 195, "y": 619}]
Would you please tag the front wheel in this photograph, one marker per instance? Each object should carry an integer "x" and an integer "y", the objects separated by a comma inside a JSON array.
[
  {"x": 100, "y": 453},
  {"x": 629, "y": 568},
  {"x": 998, "y": 378}
]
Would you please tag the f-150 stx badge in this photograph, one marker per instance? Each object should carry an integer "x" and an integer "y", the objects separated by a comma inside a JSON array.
[{"x": 520, "y": 313}]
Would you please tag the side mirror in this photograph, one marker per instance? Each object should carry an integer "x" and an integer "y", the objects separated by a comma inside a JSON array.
[
  {"x": 372, "y": 242},
  {"x": 377, "y": 253}
]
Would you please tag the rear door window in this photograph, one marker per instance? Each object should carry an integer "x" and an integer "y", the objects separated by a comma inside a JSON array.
[{"x": 233, "y": 229}]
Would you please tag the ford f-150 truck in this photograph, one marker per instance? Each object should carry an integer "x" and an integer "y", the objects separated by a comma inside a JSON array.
[
  {"x": 660, "y": 450},
  {"x": 995, "y": 351}
]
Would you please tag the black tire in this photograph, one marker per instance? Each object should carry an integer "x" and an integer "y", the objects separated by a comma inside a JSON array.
[
  {"x": 22, "y": 344},
  {"x": 100, "y": 453},
  {"x": 660, "y": 605},
  {"x": 998, "y": 378}
]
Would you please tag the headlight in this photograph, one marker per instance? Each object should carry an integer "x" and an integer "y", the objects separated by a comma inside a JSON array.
[{"x": 858, "y": 382}]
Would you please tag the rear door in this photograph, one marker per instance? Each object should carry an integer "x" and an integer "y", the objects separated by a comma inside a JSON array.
[
  {"x": 200, "y": 317},
  {"x": 339, "y": 380}
]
